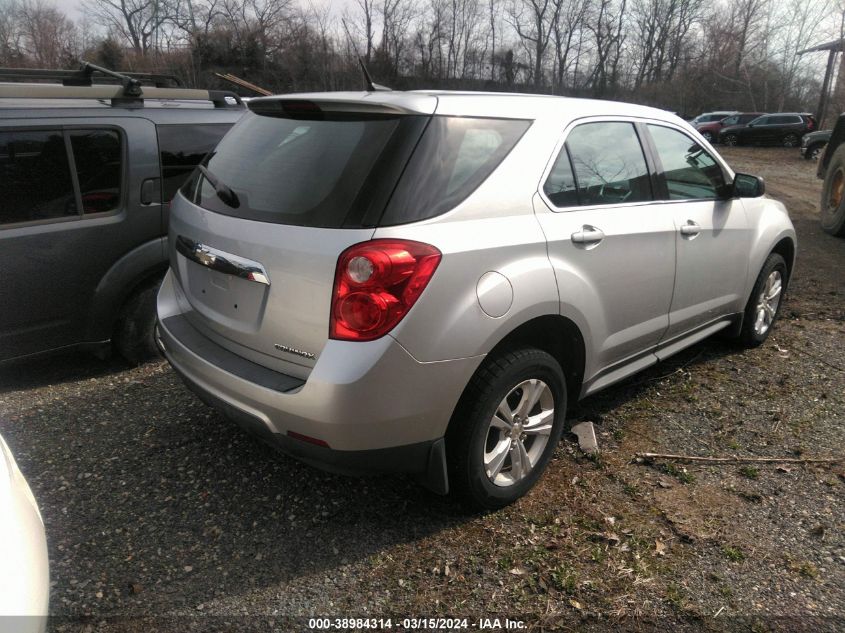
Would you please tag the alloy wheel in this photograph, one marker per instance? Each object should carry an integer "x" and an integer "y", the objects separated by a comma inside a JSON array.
[
  {"x": 767, "y": 302},
  {"x": 519, "y": 432}
]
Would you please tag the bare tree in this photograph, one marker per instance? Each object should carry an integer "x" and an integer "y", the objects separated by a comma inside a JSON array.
[
  {"x": 532, "y": 20},
  {"x": 569, "y": 23},
  {"x": 136, "y": 21}
]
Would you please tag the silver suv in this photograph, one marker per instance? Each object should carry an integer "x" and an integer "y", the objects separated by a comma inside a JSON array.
[{"x": 422, "y": 281}]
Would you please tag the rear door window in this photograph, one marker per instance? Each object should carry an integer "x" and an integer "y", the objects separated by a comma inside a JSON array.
[
  {"x": 609, "y": 163},
  {"x": 183, "y": 147},
  {"x": 98, "y": 159},
  {"x": 36, "y": 177},
  {"x": 56, "y": 174},
  {"x": 689, "y": 171}
]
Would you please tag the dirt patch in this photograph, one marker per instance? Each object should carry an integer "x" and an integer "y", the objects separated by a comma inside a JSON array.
[{"x": 697, "y": 512}]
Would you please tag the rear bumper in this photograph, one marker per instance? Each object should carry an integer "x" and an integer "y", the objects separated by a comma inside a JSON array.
[{"x": 376, "y": 407}]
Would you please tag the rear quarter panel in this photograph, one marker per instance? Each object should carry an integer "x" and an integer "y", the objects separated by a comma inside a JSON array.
[{"x": 494, "y": 229}]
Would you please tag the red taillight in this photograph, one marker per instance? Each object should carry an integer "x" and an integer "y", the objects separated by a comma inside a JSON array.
[{"x": 375, "y": 285}]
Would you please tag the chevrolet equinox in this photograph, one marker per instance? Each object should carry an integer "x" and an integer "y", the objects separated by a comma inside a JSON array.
[{"x": 422, "y": 281}]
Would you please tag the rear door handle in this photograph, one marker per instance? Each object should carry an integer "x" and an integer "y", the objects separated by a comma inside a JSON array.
[
  {"x": 588, "y": 235},
  {"x": 690, "y": 229}
]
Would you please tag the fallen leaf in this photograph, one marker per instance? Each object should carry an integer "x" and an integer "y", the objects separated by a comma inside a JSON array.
[
  {"x": 517, "y": 571},
  {"x": 575, "y": 603},
  {"x": 659, "y": 547}
]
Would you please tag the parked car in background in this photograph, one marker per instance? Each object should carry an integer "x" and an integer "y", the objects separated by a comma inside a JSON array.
[
  {"x": 24, "y": 572},
  {"x": 711, "y": 117},
  {"x": 88, "y": 172},
  {"x": 710, "y": 130},
  {"x": 813, "y": 144},
  {"x": 376, "y": 281},
  {"x": 782, "y": 128}
]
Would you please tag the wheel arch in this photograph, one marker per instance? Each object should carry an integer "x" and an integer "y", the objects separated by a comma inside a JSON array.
[
  {"x": 786, "y": 249},
  {"x": 556, "y": 335},
  {"x": 135, "y": 269}
]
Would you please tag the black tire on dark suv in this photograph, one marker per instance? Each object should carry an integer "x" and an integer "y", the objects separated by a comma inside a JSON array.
[{"x": 89, "y": 172}]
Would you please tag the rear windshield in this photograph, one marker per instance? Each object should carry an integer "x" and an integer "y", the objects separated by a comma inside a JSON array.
[{"x": 306, "y": 167}]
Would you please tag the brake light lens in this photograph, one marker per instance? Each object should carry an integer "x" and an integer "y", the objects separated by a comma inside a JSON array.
[{"x": 376, "y": 283}]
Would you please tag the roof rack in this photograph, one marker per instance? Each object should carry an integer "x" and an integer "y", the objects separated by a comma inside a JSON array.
[
  {"x": 84, "y": 76},
  {"x": 79, "y": 84}
]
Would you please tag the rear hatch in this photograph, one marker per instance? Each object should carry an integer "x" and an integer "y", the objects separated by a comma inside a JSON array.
[{"x": 255, "y": 234}]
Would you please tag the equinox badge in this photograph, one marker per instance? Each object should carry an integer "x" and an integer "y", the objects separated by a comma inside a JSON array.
[{"x": 293, "y": 350}]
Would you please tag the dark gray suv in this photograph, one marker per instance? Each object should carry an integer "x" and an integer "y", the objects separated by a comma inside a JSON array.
[{"x": 88, "y": 171}]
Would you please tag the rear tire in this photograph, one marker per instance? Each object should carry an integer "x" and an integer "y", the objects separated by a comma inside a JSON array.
[
  {"x": 493, "y": 462},
  {"x": 760, "y": 313},
  {"x": 791, "y": 140},
  {"x": 832, "y": 204},
  {"x": 134, "y": 336},
  {"x": 708, "y": 136}
]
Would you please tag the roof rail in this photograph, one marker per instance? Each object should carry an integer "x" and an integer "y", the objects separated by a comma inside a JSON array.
[
  {"x": 78, "y": 84},
  {"x": 84, "y": 76},
  {"x": 117, "y": 94}
]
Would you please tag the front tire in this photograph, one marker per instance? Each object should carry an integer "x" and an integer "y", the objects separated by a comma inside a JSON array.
[
  {"x": 833, "y": 195},
  {"x": 506, "y": 427},
  {"x": 708, "y": 136},
  {"x": 764, "y": 304}
]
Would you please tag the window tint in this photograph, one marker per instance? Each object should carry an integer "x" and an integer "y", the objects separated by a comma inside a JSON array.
[
  {"x": 560, "y": 185},
  {"x": 731, "y": 120},
  {"x": 785, "y": 120},
  {"x": 454, "y": 156},
  {"x": 763, "y": 120},
  {"x": 36, "y": 177},
  {"x": 609, "y": 164},
  {"x": 689, "y": 171},
  {"x": 99, "y": 167},
  {"x": 292, "y": 169},
  {"x": 747, "y": 118},
  {"x": 182, "y": 148}
]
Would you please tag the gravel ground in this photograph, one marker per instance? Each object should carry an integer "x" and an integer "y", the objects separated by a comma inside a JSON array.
[{"x": 162, "y": 516}]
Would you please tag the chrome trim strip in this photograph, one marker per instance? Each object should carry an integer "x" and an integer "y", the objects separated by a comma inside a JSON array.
[{"x": 221, "y": 261}]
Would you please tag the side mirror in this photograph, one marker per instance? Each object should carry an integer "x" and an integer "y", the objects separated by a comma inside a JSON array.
[{"x": 748, "y": 186}]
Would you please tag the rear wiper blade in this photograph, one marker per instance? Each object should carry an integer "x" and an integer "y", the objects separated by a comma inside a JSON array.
[{"x": 223, "y": 191}]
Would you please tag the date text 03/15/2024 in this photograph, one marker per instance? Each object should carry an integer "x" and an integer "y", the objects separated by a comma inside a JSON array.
[{"x": 415, "y": 624}]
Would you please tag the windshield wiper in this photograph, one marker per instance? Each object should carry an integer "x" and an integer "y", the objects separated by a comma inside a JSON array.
[{"x": 223, "y": 191}]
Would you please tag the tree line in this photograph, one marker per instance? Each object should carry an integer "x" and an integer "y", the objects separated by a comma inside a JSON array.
[{"x": 682, "y": 55}]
